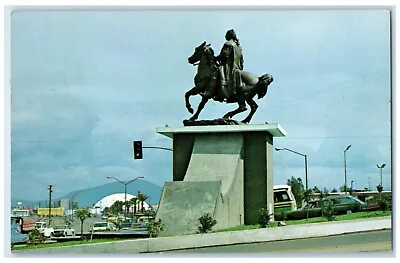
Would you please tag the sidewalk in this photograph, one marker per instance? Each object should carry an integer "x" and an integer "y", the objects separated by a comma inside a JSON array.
[{"x": 217, "y": 239}]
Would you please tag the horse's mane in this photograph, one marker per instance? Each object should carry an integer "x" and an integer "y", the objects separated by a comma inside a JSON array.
[{"x": 209, "y": 52}]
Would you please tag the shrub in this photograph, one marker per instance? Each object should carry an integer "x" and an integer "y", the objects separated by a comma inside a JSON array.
[
  {"x": 356, "y": 207},
  {"x": 385, "y": 203},
  {"x": 328, "y": 211},
  {"x": 264, "y": 217},
  {"x": 206, "y": 223},
  {"x": 156, "y": 227},
  {"x": 35, "y": 237}
]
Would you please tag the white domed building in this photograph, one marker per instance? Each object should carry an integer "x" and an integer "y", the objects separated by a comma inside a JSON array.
[{"x": 109, "y": 200}]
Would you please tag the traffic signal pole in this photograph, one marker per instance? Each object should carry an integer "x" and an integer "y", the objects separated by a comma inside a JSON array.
[{"x": 138, "y": 149}]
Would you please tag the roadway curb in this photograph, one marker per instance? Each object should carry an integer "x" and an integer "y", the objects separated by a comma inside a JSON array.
[{"x": 160, "y": 244}]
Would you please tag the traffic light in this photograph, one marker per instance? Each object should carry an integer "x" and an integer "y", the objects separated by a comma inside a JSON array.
[{"x": 137, "y": 150}]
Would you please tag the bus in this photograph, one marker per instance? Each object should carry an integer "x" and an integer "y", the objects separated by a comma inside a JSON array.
[{"x": 283, "y": 199}]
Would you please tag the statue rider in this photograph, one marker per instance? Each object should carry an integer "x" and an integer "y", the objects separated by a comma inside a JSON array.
[{"x": 231, "y": 65}]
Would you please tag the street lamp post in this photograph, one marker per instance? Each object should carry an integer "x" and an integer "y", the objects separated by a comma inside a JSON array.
[
  {"x": 305, "y": 165},
  {"x": 305, "y": 161},
  {"x": 345, "y": 176},
  {"x": 125, "y": 188},
  {"x": 50, "y": 191},
  {"x": 381, "y": 167}
]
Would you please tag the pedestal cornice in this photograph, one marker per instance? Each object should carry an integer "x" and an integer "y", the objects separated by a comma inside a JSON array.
[{"x": 273, "y": 128}]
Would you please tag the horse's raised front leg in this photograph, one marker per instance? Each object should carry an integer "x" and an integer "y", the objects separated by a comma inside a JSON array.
[
  {"x": 241, "y": 108},
  {"x": 253, "y": 107},
  {"x": 199, "y": 108},
  {"x": 191, "y": 92}
]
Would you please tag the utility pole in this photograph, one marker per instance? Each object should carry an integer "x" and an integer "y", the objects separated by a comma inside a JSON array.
[{"x": 50, "y": 187}]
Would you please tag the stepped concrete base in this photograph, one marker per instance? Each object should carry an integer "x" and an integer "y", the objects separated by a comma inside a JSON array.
[{"x": 229, "y": 169}]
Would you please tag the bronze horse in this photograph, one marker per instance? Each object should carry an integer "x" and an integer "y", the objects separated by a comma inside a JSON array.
[{"x": 207, "y": 74}]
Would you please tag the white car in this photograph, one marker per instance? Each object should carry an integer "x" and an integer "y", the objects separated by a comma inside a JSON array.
[
  {"x": 63, "y": 231},
  {"x": 104, "y": 226}
]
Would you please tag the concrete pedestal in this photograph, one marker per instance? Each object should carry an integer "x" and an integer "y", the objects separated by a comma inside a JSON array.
[{"x": 224, "y": 170}]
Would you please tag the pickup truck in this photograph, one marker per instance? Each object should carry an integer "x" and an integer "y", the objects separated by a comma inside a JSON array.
[
  {"x": 26, "y": 224},
  {"x": 17, "y": 237},
  {"x": 44, "y": 229}
]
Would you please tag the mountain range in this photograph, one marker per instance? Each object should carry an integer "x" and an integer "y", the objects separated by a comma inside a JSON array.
[{"x": 89, "y": 196}]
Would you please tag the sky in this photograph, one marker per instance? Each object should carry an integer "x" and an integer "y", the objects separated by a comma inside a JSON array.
[{"x": 85, "y": 84}]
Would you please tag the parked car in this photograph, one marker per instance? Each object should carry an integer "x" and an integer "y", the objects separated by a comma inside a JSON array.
[
  {"x": 344, "y": 204},
  {"x": 17, "y": 237},
  {"x": 126, "y": 225},
  {"x": 313, "y": 208},
  {"x": 63, "y": 231},
  {"x": 341, "y": 205},
  {"x": 104, "y": 226},
  {"x": 145, "y": 220}
]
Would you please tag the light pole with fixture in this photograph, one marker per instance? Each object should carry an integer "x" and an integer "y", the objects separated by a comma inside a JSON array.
[
  {"x": 345, "y": 176},
  {"x": 305, "y": 163},
  {"x": 125, "y": 184},
  {"x": 381, "y": 167}
]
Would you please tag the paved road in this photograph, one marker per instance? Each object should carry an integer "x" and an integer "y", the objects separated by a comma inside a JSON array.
[{"x": 372, "y": 241}]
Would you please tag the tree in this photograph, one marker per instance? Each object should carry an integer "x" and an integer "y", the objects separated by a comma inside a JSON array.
[
  {"x": 328, "y": 211},
  {"x": 74, "y": 205},
  {"x": 35, "y": 237},
  {"x": 106, "y": 211},
  {"x": 134, "y": 202},
  {"x": 297, "y": 189},
  {"x": 334, "y": 190},
  {"x": 82, "y": 214},
  {"x": 324, "y": 193},
  {"x": 342, "y": 188},
  {"x": 307, "y": 195},
  {"x": 141, "y": 198},
  {"x": 116, "y": 208},
  {"x": 316, "y": 190}
]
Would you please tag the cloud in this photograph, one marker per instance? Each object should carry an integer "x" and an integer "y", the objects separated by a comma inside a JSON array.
[{"x": 86, "y": 84}]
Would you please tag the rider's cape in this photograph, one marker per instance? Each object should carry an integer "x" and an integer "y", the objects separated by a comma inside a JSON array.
[{"x": 232, "y": 66}]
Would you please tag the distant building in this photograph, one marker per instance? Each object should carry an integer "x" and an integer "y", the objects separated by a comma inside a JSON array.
[
  {"x": 109, "y": 200},
  {"x": 20, "y": 212},
  {"x": 65, "y": 203},
  {"x": 55, "y": 211}
]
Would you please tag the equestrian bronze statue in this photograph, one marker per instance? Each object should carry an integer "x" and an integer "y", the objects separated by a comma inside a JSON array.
[{"x": 241, "y": 86}]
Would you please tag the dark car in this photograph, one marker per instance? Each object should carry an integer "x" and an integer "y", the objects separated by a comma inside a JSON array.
[
  {"x": 344, "y": 204},
  {"x": 314, "y": 208},
  {"x": 126, "y": 225}
]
